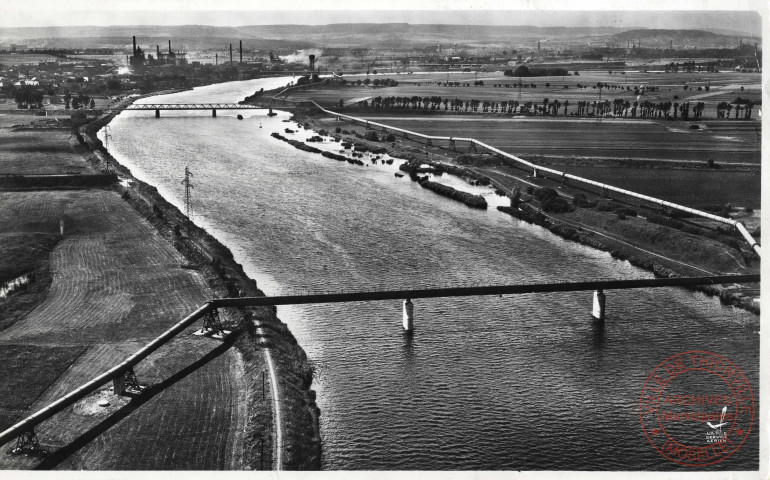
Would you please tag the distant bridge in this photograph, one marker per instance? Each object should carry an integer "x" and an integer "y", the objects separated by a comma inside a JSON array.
[{"x": 193, "y": 106}]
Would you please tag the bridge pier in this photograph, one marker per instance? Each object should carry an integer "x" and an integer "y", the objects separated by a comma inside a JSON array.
[
  {"x": 534, "y": 173},
  {"x": 27, "y": 444},
  {"x": 157, "y": 113},
  {"x": 214, "y": 112},
  {"x": 599, "y": 303},
  {"x": 126, "y": 383},
  {"x": 408, "y": 320}
]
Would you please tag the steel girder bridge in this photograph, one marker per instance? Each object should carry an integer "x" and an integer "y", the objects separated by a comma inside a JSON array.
[
  {"x": 193, "y": 106},
  {"x": 124, "y": 378}
]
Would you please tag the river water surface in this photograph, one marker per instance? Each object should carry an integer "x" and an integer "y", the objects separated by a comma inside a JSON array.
[{"x": 514, "y": 382}]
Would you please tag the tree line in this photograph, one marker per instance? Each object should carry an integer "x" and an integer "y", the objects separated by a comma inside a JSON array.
[{"x": 584, "y": 108}]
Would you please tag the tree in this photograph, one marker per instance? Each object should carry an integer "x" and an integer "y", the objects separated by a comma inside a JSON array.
[
  {"x": 113, "y": 84},
  {"x": 521, "y": 71},
  {"x": 92, "y": 104}
]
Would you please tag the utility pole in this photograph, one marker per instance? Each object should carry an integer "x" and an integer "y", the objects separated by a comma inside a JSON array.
[{"x": 188, "y": 206}]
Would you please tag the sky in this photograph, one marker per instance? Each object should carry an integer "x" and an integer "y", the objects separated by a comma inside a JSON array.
[{"x": 641, "y": 13}]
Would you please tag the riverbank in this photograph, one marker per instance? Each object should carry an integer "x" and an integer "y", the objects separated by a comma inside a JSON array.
[
  {"x": 259, "y": 327},
  {"x": 656, "y": 248}
]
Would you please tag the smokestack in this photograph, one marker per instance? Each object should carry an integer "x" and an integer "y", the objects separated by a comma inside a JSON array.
[
  {"x": 231, "y": 54},
  {"x": 134, "y": 45},
  {"x": 670, "y": 44},
  {"x": 216, "y": 59},
  {"x": 157, "y": 50},
  {"x": 240, "y": 48},
  {"x": 538, "y": 46},
  {"x": 169, "y": 46}
]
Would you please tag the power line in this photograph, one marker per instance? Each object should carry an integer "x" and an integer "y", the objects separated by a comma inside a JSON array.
[{"x": 188, "y": 186}]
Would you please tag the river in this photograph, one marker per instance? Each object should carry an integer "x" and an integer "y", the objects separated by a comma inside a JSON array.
[{"x": 513, "y": 382}]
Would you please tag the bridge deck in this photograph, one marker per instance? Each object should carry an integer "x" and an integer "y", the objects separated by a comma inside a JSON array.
[
  {"x": 488, "y": 290},
  {"x": 192, "y": 106}
]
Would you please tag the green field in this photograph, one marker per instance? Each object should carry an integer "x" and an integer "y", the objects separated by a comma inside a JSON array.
[
  {"x": 687, "y": 187},
  {"x": 723, "y": 86},
  {"x": 723, "y": 141},
  {"x": 25, "y": 58}
]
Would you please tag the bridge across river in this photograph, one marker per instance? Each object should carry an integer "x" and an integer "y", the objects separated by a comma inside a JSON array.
[
  {"x": 194, "y": 106},
  {"x": 27, "y": 441}
]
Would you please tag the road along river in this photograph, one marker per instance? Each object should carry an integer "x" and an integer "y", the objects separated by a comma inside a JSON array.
[{"x": 515, "y": 382}]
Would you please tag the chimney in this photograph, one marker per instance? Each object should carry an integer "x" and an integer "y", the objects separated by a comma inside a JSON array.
[
  {"x": 157, "y": 50},
  {"x": 241, "y": 51},
  {"x": 231, "y": 54},
  {"x": 134, "y": 45},
  {"x": 169, "y": 46}
]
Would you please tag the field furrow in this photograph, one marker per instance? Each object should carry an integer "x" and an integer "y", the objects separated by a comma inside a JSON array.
[{"x": 117, "y": 284}]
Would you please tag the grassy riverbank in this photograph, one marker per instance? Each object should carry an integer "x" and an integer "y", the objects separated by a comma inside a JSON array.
[
  {"x": 129, "y": 265},
  {"x": 302, "y": 447},
  {"x": 689, "y": 246}
]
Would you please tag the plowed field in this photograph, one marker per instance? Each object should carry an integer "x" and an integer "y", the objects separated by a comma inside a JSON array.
[{"x": 116, "y": 285}]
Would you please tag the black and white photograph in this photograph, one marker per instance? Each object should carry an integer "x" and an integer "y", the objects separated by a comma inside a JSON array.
[{"x": 455, "y": 238}]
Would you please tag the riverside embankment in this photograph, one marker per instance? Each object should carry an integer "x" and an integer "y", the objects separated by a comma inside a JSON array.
[
  {"x": 259, "y": 330},
  {"x": 654, "y": 247}
]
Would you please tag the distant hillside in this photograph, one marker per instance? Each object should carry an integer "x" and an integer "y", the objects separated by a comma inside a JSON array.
[
  {"x": 341, "y": 35},
  {"x": 363, "y": 35},
  {"x": 656, "y": 38}
]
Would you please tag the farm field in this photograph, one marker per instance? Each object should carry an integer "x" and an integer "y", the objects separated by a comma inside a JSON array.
[
  {"x": 723, "y": 86},
  {"x": 740, "y": 189},
  {"x": 25, "y": 58},
  {"x": 116, "y": 285},
  {"x": 39, "y": 152},
  {"x": 590, "y": 138}
]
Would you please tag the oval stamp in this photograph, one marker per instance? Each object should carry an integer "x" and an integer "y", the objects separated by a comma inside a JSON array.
[{"x": 696, "y": 408}]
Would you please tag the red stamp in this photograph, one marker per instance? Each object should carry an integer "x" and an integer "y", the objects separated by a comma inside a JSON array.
[{"x": 696, "y": 408}]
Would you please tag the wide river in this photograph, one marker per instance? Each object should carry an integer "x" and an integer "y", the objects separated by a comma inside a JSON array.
[{"x": 515, "y": 382}]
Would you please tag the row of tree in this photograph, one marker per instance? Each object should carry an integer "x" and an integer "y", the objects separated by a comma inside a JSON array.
[
  {"x": 29, "y": 98},
  {"x": 377, "y": 82},
  {"x": 33, "y": 98},
  {"x": 80, "y": 101},
  {"x": 618, "y": 107},
  {"x": 689, "y": 67},
  {"x": 724, "y": 109},
  {"x": 524, "y": 71}
]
